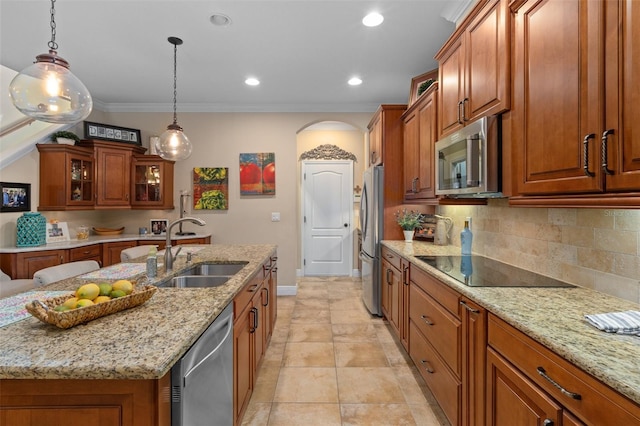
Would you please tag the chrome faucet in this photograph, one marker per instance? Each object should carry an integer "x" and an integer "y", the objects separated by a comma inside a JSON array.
[{"x": 168, "y": 257}]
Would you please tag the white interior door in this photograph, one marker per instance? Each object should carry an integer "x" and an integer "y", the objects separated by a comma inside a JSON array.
[{"x": 327, "y": 217}]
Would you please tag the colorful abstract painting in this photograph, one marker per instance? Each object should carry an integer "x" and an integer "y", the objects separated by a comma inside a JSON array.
[
  {"x": 258, "y": 173},
  {"x": 211, "y": 188}
]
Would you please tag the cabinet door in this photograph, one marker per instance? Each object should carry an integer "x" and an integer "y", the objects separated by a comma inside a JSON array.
[
  {"x": 403, "y": 304},
  {"x": 243, "y": 371},
  {"x": 29, "y": 263},
  {"x": 395, "y": 300},
  {"x": 411, "y": 153},
  {"x": 113, "y": 177},
  {"x": 386, "y": 284},
  {"x": 558, "y": 102},
  {"x": 375, "y": 139},
  {"x": 152, "y": 182},
  {"x": 487, "y": 76},
  {"x": 622, "y": 62},
  {"x": 513, "y": 399},
  {"x": 80, "y": 175},
  {"x": 111, "y": 251},
  {"x": 474, "y": 347},
  {"x": 451, "y": 88}
]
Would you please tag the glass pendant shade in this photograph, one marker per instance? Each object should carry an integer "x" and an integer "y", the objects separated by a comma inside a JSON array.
[
  {"x": 173, "y": 144},
  {"x": 48, "y": 91}
]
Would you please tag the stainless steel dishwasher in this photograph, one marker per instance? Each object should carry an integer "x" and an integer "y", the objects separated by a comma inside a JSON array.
[{"x": 202, "y": 380}]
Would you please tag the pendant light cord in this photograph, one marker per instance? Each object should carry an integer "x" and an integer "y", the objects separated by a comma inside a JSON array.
[
  {"x": 175, "y": 83},
  {"x": 52, "y": 44}
]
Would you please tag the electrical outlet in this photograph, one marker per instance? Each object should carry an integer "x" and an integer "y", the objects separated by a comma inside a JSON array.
[{"x": 275, "y": 217}]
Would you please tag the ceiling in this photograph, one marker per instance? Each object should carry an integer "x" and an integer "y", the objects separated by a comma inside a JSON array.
[{"x": 302, "y": 51}]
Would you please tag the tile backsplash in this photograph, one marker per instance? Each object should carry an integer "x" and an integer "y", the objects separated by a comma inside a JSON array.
[{"x": 594, "y": 248}]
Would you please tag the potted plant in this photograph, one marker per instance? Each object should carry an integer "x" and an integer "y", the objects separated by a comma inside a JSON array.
[
  {"x": 409, "y": 221},
  {"x": 65, "y": 137}
]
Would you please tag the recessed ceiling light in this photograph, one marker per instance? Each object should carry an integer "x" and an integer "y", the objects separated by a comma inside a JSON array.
[
  {"x": 373, "y": 19},
  {"x": 220, "y": 20},
  {"x": 252, "y": 81},
  {"x": 354, "y": 81}
]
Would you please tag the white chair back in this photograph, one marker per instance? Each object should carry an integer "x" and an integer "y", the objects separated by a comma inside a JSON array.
[
  {"x": 131, "y": 253},
  {"x": 66, "y": 270}
]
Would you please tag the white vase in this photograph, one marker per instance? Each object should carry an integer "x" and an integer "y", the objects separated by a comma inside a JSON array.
[
  {"x": 65, "y": 141},
  {"x": 408, "y": 236}
]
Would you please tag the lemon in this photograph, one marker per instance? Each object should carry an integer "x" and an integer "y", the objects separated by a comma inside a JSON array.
[
  {"x": 124, "y": 285},
  {"x": 88, "y": 291},
  {"x": 117, "y": 293},
  {"x": 62, "y": 308},
  {"x": 101, "y": 299},
  {"x": 71, "y": 303},
  {"x": 84, "y": 302},
  {"x": 105, "y": 289}
]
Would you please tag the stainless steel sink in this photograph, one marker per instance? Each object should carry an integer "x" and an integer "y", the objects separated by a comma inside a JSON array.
[
  {"x": 197, "y": 281},
  {"x": 225, "y": 269}
]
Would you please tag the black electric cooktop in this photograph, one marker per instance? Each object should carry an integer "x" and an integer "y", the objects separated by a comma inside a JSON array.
[{"x": 479, "y": 271}]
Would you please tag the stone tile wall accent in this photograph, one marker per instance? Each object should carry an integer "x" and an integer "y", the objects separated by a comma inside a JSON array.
[{"x": 594, "y": 248}]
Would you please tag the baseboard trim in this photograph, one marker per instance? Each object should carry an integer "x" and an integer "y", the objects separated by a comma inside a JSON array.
[{"x": 287, "y": 290}]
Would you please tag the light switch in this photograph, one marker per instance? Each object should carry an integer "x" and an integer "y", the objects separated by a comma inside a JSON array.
[{"x": 275, "y": 217}]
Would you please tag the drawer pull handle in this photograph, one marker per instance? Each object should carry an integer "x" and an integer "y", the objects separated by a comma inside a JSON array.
[
  {"x": 573, "y": 395},
  {"x": 469, "y": 308},
  {"x": 426, "y": 319},
  {"x": 427, "y": 366}
]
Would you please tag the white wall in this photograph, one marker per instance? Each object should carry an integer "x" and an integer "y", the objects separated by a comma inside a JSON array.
[{"x": 218, "y": 139}]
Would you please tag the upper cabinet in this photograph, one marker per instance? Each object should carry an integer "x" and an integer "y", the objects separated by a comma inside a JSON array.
[
  {"x": 474, "y": 67},
  {"x": 152, "y": 182},
  {"x": 574, "y": 112},
  {"x": 385, "y": 132},
  {"x": 420, "y": 135},
  {"x": 103, "y": 175}
]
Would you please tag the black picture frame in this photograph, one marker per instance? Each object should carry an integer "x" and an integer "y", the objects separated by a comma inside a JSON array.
[
  {"x": 107, "y": 132},
  {"x": 22, "y": 194}
]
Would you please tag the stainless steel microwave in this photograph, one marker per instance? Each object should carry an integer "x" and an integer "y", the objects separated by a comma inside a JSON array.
[{"x": 468, "y": 161}]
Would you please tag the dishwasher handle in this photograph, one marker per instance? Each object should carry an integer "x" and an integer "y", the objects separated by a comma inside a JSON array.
[{"x": 229, "y": 323}]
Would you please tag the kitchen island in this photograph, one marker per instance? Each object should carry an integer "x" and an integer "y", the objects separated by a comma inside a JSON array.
[{"x": 120, "y": 360}]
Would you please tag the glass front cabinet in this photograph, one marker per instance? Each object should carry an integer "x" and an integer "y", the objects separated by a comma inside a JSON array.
[{"x": 152, "y": 181}]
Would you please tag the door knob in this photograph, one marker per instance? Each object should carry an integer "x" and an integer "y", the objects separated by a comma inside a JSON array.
[{"x": 346, "y": 225}]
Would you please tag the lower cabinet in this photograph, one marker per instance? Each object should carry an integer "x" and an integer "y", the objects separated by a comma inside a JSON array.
[
  {"x": 92, "y": 252},
  {"x": 253, "y": 326},
  {"x": 24, "y": 265},
  {"x": 395, "y": 294},
  {"x": 26, "y": 402},
  {"x": 111, "y": 251}
]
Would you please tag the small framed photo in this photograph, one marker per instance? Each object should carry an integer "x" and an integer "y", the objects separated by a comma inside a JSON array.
[
  {"x": 16, "y": 197},
  {"x": 420, "y": 84},
  {"x": 159, "y": 226},
  {"x": 57, "y": 232},
  {"x": 108, "y": 132}
]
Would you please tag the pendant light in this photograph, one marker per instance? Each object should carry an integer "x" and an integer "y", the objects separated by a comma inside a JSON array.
[
  {"x": 173, "y": 144},
  {"x": 48, "y": 91}
]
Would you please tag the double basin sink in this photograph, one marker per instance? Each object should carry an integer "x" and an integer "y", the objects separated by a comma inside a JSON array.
[{"x": 205, "y": 275}]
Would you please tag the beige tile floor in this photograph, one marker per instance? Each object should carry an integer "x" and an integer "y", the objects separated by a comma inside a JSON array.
[{"x": 331, "y": 363}]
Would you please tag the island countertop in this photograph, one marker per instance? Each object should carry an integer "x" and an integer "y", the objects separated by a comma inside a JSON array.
[
  {"x": 139, "y": 343},
  {"x": 553, "y": 317}
]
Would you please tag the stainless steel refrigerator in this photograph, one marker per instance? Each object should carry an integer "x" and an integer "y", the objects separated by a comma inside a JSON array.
[{"x": 371, "y": 223}]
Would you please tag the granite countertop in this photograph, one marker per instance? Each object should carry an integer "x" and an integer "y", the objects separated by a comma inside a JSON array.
[
  {"x": 139, "y": 343},
  {"x": 98, "y": 239},
  {"x": 553, "y": 317}
]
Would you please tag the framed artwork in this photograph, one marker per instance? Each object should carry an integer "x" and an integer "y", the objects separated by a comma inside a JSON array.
[
  {"x": 421, "y": 83},
  {"x": 159, "y": 226},
  {"x": 258, "y": 174},
  {"x": 108, "y": 132},
  {"x": 16, "y": 197},
  {"x": 57, "y": 232},
  {"x": 211, "y": 188}
]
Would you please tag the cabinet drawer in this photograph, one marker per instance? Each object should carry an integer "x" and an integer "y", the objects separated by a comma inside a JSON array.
[
  {"x": 597, "y": 403},
  {"x": 87, "y": 252},
  {"x": 391, "y": 257},
  {"x": 242, "y": 299},
  {"x": 445, "y": 387},
  {"x": 443, "y": 294},
  {"x": 440, "y": 328}
]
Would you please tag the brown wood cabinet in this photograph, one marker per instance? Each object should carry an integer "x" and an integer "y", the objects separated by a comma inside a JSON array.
[
  {"x": 254, "y": 319},
  {"x": 521, "y": 369},
  {"x": 27, "y": 402},
  {"x": 474, "y": 67},
  {"x": 474, "y": 356},
  {"x": 92, "y": 252},
  {"x": 391, "y": 291},
  {"x": 66, "y": 177},
  {"x": 24, "y": 265},
  {"x": 387, "y": 123},
  {"x": 420, "y": 135},
  {"x": 111, "y": 251},
  {"x": 573, "y": 121},
  {"x": 152, "y": 182}
]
